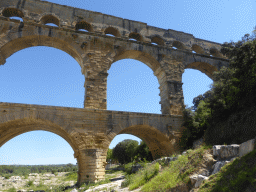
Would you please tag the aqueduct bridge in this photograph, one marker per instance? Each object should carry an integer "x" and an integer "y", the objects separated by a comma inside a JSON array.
[{"x": 83, "y": 35}]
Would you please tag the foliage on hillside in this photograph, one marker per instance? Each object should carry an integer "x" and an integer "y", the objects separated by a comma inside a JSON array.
[
  {"x": 12, "y": 170},
  {"x": 225, "y": 112}
]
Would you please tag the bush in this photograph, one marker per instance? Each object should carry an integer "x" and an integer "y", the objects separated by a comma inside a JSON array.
[
  {"x": 128, "y": 168},
  {"x": 13, "y": 189},
  {"x": 127, "y": 181},
  {"x": 72, "y": 176},
  {"x": 30, "y": 183}
]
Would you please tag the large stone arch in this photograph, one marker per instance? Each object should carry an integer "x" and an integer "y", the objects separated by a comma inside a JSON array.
[
  {"x": 145, "y": 58},
  {"x": 158, "y": 143},
  {"x": 13, "y": 128},
  {"x": 152, "y": 63},
  {"x": 204, "y": 67},
  {"x": 18, "y": 44}
]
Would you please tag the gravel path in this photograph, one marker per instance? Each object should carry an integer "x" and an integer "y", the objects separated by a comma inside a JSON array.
[{"x": 115, "y": 186}]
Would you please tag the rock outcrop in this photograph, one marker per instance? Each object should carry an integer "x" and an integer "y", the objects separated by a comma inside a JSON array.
[{"x": 222, "y": 154}]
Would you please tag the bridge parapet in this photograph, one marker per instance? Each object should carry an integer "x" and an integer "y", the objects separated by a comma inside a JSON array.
[{"x": 43, "y": 12}]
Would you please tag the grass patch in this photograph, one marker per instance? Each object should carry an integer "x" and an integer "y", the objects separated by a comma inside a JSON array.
[
  {"x": 143, "y": 176},
  {"x": 30, "y": 183},
  {"x": 86, "y": 186},
  {"x": 72, "y": 176},
  {"x": 177, "y": 172},
  {"x": 13, "y": 189}
]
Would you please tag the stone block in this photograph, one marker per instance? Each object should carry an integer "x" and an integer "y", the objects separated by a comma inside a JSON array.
[
  {"x": 197, "y": 143},
  {"x": 193, "y": 179},
  {"x": 217, "y": 166},
  {"x": 246, "y": 147},
  {"x": 226, "y": 151},
  {"x": 200, "y": 179}
]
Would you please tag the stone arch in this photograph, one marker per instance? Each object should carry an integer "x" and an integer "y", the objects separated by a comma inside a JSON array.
[
  {"x": 151, "y": 62},
  {"x": 215, "y": 52},
  {"x": 12, "y": 12},
  {"x": 136, "y": 36},
  {"x": 50, "y": 19},
  {"x": 145, "y": 58},
  {"x": 158, "y": 143},
  {"x": 179, "y": 45},
  {"x": 112, "y": 31},
  {"x": 84, "y": 25},
  {"x": 158, "y": 40},
  {"x": 29, "y": 41},
  {"x": 204, "y": 67},
  {"x": 198, "y": 49},
  {"x": 13, "y": 128}
]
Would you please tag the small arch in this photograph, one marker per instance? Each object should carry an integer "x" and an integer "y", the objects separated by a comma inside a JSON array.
[
  {"x": 135, "y": 36},
  {"x": 132, "y": 39},
  {"x": 112, "y": 31},
  {"x": 214, "y": 52},
  {"x": 198, "y": 49},
  {"x": 179, "y": 45},
  {"x": 12, "y": 12},
  {"x": 51, "y": 24},
  {"x": 17, "y": 18},
  {"x": 193, "y": 52},
  {"x": 83, "y": 25},
  {"x": 158, "y": 40},
  {"x": 50, "y": 20}
]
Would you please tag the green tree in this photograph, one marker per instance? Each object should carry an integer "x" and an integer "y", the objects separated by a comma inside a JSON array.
[
  {"x": 110, "y": 156},
  {"x": 231, "y": 86},
  {"x": 143, "y": 151},
  {"x": 130, "y": 149},
  {"x": 123, "y": 151}
]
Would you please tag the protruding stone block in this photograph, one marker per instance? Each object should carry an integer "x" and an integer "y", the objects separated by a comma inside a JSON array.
[
  {"x": 226, "y": 151},
  {"x": 246, "y": 147}
]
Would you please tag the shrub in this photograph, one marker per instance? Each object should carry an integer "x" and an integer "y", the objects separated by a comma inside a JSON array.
[
  {"x": 30, "y": 183},
  {"x": 13, "y": 189}
]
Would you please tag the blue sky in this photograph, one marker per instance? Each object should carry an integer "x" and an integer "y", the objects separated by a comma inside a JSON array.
[{"x": 48, "y": 76}]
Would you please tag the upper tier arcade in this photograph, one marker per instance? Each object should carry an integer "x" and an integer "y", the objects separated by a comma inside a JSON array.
[{"x": 43, "y": 12}]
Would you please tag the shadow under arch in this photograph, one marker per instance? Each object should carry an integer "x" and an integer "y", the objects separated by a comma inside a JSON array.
[
  {"x": 84, "y": 25},
  {"x": 12, "y": 12},
  {"x": 204, "y": 67},
  {"x": 11, "y": 129},
  {"x": 158, "y": 143},
  {"x": 34, "y": 40},
  {"x": 112, "y": 31},
  {"x": 50, "y": 19},
  {"x": 158, "y": 40}
]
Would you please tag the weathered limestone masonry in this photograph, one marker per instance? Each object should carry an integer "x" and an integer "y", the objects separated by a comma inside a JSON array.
[
  {"x": 89, "y": 131},
  {"x": 82, "y": 34}
]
